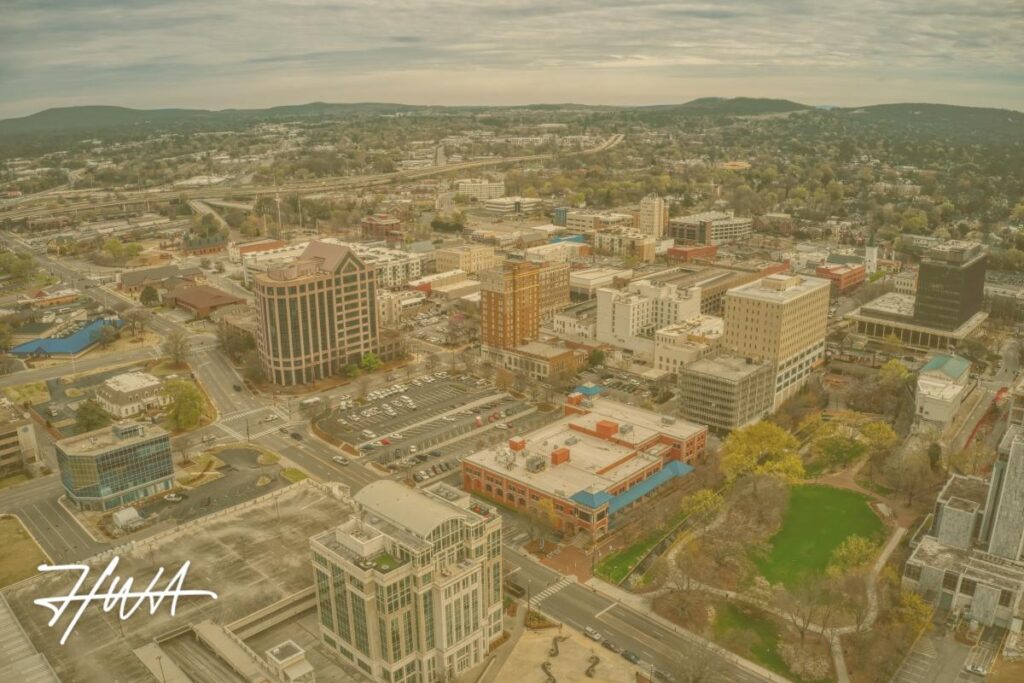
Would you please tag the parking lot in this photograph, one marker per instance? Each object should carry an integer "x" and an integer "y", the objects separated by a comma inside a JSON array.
[{"x": 405, "y": 417}]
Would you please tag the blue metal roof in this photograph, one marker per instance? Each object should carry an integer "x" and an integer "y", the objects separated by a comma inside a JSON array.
[
  {"x": 71, "y": 344},
  {"x": 672, "y": 469},
  {"x": 588, "y": 389},
  {"x": 951, "y": 366}
]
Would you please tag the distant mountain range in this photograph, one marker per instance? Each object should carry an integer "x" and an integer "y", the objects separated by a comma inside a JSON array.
[{"x": 81, "y": 121}]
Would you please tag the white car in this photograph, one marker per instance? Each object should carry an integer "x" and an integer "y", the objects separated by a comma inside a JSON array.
[
  {"x": 592, "y": 634},
  {"x": 340, "y": 460}
]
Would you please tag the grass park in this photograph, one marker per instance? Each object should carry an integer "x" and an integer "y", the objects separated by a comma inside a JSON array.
[
  {"x": 21, "y": 555},
  {"x": 817, "y": 521}
]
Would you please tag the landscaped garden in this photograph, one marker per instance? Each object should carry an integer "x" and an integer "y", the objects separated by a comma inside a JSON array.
[
  {"x": 756, "y": 636},
  {"x": 817, "y": 520}
]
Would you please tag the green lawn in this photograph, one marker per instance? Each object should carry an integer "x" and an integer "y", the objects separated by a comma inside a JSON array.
[
  {"x": 13, "y": 480},
  {"x": 817, "y": 520},
  {"x": 753, "y": 634},
  {"x": 293, "y": 474},
  {"x": 614, "y": 567},
  {"x": 21, "y": 556}
]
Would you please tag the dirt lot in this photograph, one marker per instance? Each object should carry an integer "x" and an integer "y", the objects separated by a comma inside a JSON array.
[{"x": 568, "y": 666}]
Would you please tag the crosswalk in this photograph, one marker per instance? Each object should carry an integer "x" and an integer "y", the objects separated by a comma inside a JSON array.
[{"x": 553, "y": 588}]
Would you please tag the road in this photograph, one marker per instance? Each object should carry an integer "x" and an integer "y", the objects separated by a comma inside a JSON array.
[
  {"x": 320, "y": 186},
  {"x": 578, "y": 606},
  {"x": 36, "y": 503}
]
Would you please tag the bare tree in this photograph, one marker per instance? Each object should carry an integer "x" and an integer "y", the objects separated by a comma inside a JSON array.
[
  {"x": 176, "y": 346},
  {"x": 137, "y": 319}
]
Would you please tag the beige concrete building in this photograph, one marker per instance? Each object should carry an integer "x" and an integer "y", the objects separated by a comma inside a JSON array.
[
  {"x": 315, "y": 315},
  {"x": 781, "y": 319},
  {"x": 18, "y": 450},
  {"x": 726, "y": 392},
  {"x": 410, "y": 590},
  {"x": 653, "y": 216},
  {"x": 131, "y": 393},
  {"x": 469, "y": 258}
]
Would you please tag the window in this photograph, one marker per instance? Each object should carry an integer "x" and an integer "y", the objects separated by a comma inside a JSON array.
[
  {"x": 967, "y": 586},
  {"x": 949, "y": 581},
  {"x": 1005, "y": 598},
  {"x": 913, "y": 572}
]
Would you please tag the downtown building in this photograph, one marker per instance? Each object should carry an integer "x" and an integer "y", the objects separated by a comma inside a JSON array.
[
  {"x": 409, "y": 590},
  {"x": 315, "y": 315},
  {"x": 653, "y": 219},
  {"x": 726, "y": 392},
  {"x": 18, "y": 448},
  {"x": 781, "y": 319},
  {"x": 712, "y": 227},
  {"x": 603, "y": 460},
  {"x": 946, "y": 305},
  {"x": 115, "y": 465}
]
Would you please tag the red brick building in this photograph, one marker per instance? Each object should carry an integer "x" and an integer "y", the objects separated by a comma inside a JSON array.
[
  {"x": 601, "y": 460},
  {"x": 844, "y": 278}
]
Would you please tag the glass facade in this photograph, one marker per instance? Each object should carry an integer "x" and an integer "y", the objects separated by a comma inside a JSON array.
[
  {"x": 948, "y": 294},
  {"x": 128, "y": 470}
]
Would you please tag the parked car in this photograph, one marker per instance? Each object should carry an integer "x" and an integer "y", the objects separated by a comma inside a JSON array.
[
  {"x": 341, "y": 460},
  {"x": 236, "y": 387},
  {"x": 173, "y": 498},
  {"x": 609, "y": 645},
  {"x": 631, "y": 657},
  {"x": 297, "y": 436},
  {"x": 593, "y": 634}
]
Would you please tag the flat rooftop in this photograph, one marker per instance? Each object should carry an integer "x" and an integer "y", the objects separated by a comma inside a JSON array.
[
  {"x": 105, "y": 438},
  {"x": 974, "y": 489},
  {"x": 730, "y": 368},
  {"x": 251, "y": 556},
  {"x": 594, "y": 464},
  {"x": 132, "y": 381},
  {"x": 779, "y": 288},
  {"x": 891, "y": 304}
]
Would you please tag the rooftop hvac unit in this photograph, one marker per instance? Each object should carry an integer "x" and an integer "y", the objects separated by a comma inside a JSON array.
[
  {"x": 587, "y": 403},
  {"x": 571, "y": 441},
  {"x": 625, "y": 429},
  {"x": 667, "y": 420},
  {"x": 536, "y": 463}
]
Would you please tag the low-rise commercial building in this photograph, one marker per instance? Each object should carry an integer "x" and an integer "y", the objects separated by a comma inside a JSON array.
[
  {"x": 626, "y": 243},
  {"x": 137, "y": 280},
  {"x": 844, "y": 278},
  {"x": 480, "y": 190},
  {"x": 892, "y": 315},
  {"x": 586, "y": 471},
  {"x": 726, "y": 392},
  {"x": 598, "y": 221},
  {"x": 200, "y": 300},
  {"x": 469, "y": 258},
  {"x": 539, "y": 361},
  {"x": 942, "y": 385},
  {"x": 381, "y": 226},
  {"x": 678, "y": 345},
  {"x": 131, "y": 393},
  {"x": 510, "y": 206},
  {"x": 711, "y": 227},
  {"x": 583, "y": 284},
  {"x": 236, "y": 250},
  {"x": 628, "y": 318},
  {"x": 18, "y": 449},
  {"x": 116, "y": 465},
  {"x": 410, "y": 589}
]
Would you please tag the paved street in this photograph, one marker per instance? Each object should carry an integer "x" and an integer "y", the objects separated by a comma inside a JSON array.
[
  {"x": 36, "y": 503},
  {"x": 578, "y": 607}
]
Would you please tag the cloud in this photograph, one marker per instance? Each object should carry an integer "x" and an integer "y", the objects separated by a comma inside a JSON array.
[{"x": 262, "y": 52}]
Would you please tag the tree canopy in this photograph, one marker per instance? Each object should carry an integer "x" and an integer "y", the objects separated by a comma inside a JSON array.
[{"x": 762, "y": 448}]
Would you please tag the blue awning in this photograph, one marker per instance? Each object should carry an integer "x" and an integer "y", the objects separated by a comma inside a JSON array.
[{"x": 671, "y": 470}]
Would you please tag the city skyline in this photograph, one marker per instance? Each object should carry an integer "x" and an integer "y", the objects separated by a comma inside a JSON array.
[{"x": 154, "y": 55}]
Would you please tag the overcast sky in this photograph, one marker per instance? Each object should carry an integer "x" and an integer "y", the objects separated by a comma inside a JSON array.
[{"x": 256, "y": 53}]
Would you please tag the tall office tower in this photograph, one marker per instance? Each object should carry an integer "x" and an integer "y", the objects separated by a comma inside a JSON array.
[
  {"x": 509, "y": 304},
  {"x": 116, "y": 465},
  {"x": 653, "y": 216},
  {"x": 315, "y": 315},
  {"x": 409, "y": 591},
  {"x": 950, "y": 285},
  {"x": 781, "y": 319}
]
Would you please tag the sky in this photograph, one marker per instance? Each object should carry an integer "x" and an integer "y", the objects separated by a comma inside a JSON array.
[{"x": 258, "y": 53}]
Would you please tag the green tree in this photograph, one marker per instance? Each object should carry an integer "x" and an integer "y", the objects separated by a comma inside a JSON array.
[
  {"x": 370, "y": 362},
  {"x": 252, "y": 367},
  {"x": 880, "y": 439},
  {"x": 149, "y": 296},
  {"x": 852, "y": 553},
  {"x": 762, "y": 448},
  {"x": 893, "y": 373},
  {"x": 596, "y": 357},
  {"x": 186, "y": 404},
  {"x": 106, "y": 335},
  {"x": 5, "y": 337},
  {"x": 115, "y": 249},
  {"x": 90, "y": 416},
  {"x": 351, "y": 370},
  {"x": 702, "y": 506}
]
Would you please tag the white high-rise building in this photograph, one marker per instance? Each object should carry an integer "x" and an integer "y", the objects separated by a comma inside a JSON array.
[
  {"x": 409, "y": 590},
  {"x": 653, "y": 216},
  {"x": 628, "y": 318}
]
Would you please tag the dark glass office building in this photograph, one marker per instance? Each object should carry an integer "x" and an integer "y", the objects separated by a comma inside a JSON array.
[
  {"x": 114, "y": 466},
  {"x": 950, "y": 285}
]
